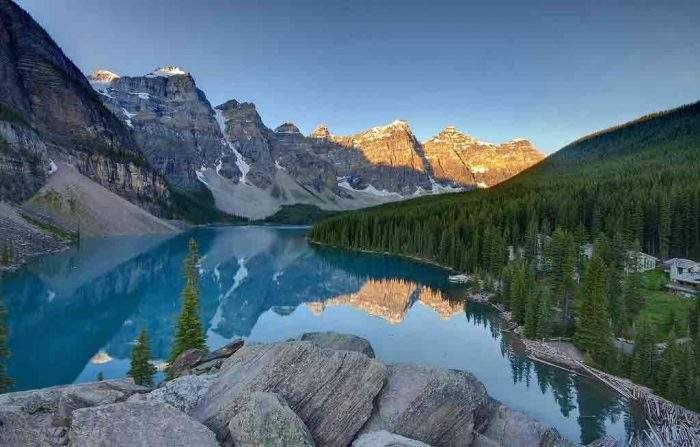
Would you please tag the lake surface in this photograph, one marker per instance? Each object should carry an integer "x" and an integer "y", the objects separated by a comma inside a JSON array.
[{"x": 77, "y": 313}]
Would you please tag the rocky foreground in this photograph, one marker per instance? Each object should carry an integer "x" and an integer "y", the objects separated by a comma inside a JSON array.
[{"x": 322, "y": 389}]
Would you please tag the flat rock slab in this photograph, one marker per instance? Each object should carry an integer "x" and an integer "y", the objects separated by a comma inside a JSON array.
[
  {"x": 183, "y": 393},
  {"x": 383, "y": 438},
  {"x": 17, "y": 429},
  {"x": 133, "y": 424},
  {"x": 508, "y": 427},
  {"x": 331, "y": 391},
  {"x": 437, "y": 407},
  {"x": 265, "y": 419},
  {"x": 343, "y": 342}
]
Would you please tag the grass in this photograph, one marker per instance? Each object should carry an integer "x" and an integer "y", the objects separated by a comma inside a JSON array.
[
  {"x": 662, "y": 308},
  {"x": 59, "y": 233}
]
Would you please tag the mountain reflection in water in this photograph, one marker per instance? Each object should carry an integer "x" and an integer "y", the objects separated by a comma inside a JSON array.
[{"x": 75, "y": 314}]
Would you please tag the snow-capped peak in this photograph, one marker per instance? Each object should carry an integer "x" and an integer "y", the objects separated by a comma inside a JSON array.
[
  {"x": 102, "y": 76},
  {"x": 166, "y": 71}
]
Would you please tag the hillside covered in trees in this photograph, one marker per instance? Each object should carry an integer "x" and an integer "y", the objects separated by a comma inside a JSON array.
[{"x": 632, "y": 187}]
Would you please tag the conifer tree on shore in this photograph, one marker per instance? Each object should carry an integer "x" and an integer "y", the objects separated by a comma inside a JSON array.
[
  {"x": 142, "y": 370},
  {"x": 593, "y": 331},
  {"x": 189, "y": 332}
]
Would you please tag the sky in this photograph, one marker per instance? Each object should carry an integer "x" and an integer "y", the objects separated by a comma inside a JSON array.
[{"x": 547, "y": 71}]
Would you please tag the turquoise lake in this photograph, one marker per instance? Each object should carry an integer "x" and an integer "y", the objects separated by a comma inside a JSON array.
[{"x": 77, "y": 313}]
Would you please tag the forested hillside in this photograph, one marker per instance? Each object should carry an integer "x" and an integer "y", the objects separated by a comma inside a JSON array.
[
  {"x": 639, "y": 180},
  {"x": 636, "y": 186}
]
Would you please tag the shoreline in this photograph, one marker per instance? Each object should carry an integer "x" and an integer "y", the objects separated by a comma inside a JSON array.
[{"x": 667, "y": 423}]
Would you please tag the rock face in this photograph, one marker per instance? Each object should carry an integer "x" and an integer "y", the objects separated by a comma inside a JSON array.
[
  {"x": 278, "y": 394},
  {"x": 339, "y": 342},
  {"x": 331, "y": 391},
  {"x": 43, "y": 93},
  {"x": 137, "y": 424},
  {"x": 49, "y": 113},
  {"x": 171, "y": 120},
  {"x": 265, "y": 419},
  {"x": 460, "y": 158}
]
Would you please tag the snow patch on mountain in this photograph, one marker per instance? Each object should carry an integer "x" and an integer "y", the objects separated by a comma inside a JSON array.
[
  {"x": 240, "y": 161},
  {"x": 369, "y": 189},
  {"x": 166, "y": 72}
]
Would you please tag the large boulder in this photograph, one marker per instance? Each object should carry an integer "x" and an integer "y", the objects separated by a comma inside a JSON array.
[
  {"x": 438, "y": 407},
  {"x": 183, "y": 393},
  {"x": 508, "y": 427},
  {"x": 185, "y": 362},
  {"x": 265, "y": 419},
  {"x": 46, "y": 413},
  {"x": 341, "y": 342},
  {"x": 17, "y": 428},
  {"x": 331, "y": 391},
  {"x": 146, "y": 424},
  {"x": 383, "y": 438}
]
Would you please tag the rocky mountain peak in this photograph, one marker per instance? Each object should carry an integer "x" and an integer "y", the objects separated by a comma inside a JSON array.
[
  {"x": 455, "y": 136},
  {"x": 167, "y": 71},
  {"x": 102, "y": 76},
  {"x": 321, "y": 131},
  {"x": 287, "y": 127}
]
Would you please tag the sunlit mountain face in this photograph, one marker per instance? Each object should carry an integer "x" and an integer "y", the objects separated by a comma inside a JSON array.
[{"x": 77, "y": 314}]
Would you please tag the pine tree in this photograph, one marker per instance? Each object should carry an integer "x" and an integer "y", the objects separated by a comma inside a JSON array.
[
  {"x": 100, "y": 377},
  {"x": 593, "y": 330},
  {"x": 545, "y": 313},
  {"x": 141, "y": 369},
  {"x": 669, "y": 360},
  {"x": 644, "y": 361},
  {"x": 189, "y": 332}
]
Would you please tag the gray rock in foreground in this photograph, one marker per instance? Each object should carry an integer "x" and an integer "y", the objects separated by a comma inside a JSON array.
[
  {"x": 265, "y": 419},
  {"x": 183, "y": 393},
  {"x": 341, "y": 342},
  {"x": 292, "y": 393},
  {"x": 331, "y": 391},
  {"x": 135, "y": 424},
  {"x": 383, "y": 438},
  {"x": 438, "y": 407},
  {"x": 508, "y": 427}
]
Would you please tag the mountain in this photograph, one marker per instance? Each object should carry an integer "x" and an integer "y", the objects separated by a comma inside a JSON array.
[
  {"x": 155, "y": 142},
  {"x": 49, "y": 111},
  {"x": 57, "y": 137},
  {"x": 170, "y": 118},
  {"x": 462, "y": 159},
  {"x": 637, "y": 181},
  {"x": 255, "y": 171}
]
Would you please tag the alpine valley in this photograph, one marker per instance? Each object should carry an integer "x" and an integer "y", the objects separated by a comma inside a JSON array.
[{"x": 108, "y": 154}]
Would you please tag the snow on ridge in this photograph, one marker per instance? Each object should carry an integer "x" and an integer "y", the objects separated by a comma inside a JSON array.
[
  {"x": 102, "y": 76},
  {"x": 391, "y": 125},
  {"x": 166, "y": 72},
  {"x": 52, "y": 167},
  {"x": 240, "y": 161},
  {"x": 200, "y": 175},
  {"x": 369, "y": 189},
  {"x": 128, "y": 115}
]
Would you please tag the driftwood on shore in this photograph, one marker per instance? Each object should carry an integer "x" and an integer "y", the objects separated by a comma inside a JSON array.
[{"x": 666, "y": 424}]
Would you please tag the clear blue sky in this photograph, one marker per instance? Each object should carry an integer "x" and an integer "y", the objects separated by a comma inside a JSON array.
[{"x": 547, "y": 71}]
